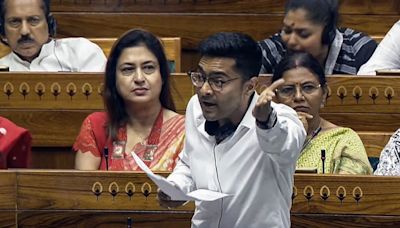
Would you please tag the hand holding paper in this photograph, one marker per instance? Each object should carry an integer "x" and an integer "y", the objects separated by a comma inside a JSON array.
[{"x": 173, "y": 191}]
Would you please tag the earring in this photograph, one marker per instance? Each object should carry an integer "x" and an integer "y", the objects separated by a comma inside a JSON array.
[{"x": 322, "y": 105}]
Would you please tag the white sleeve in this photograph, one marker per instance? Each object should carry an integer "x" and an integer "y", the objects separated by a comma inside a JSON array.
[
  {"x": 386, "y": 55},
  {"x": 285, "y": 139},
  {"x": 89, "y": 57},
  {"x": 181, "y": 175}
]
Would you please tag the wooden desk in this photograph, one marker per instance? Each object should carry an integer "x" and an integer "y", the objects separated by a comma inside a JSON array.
[
  {"x": 53, "y": 106},
  {"x": 8, "y": 197},
  {"x": 367, "y": 201},
  {"x": 66, "y": 198}
]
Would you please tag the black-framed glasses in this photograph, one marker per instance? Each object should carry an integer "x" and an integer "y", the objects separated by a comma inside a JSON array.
[
  {"x": 216, "y": 84},
  {"x": 288, "y": 91}
]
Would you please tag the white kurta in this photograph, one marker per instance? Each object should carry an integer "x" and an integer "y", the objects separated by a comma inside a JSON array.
[
  {"x": 69, "y": 54},
  {"x": 386, "y": 55},
  {"x": 254, "y": 165}
]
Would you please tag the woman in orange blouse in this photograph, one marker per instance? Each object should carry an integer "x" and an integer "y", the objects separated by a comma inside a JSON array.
[{"x": 139, "y": 117}]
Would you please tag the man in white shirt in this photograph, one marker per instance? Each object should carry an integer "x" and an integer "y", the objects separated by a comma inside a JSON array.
[
  {"x": 28, "y": 28},
  {"x": 386, "y": 55},
  {"x": 237, "y": 142}
]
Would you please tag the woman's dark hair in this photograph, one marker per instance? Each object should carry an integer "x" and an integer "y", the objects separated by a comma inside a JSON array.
[
  {"x": 238, "y": 46},
  {"x": 322, "y": 12},
  {"x": 296, "y": 60},
  {"x": 113, "y": 102}
]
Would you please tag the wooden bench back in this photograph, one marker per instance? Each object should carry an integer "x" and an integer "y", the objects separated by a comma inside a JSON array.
[
  {"x": 364, "y": 103},
  {"x": 172, "y": 47},
  {"x": 45, "y": 103},
  {"x": 35, "y": 198}
]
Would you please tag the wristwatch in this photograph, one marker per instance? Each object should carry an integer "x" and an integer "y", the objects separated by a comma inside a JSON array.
[{"x": 270, "y": 122}]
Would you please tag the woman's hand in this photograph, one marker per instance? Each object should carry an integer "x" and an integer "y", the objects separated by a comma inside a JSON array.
[{"x": 304, "y": 118}]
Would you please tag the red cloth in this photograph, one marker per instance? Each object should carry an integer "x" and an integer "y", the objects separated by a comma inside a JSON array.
[{"x": 15, "y": 145}]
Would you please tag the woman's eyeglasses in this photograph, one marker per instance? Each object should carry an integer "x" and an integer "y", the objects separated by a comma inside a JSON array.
[{"x": 289, "y": 91}]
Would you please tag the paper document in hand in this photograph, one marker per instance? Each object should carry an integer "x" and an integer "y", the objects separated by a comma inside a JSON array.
[{"x": 174, "y": 192}]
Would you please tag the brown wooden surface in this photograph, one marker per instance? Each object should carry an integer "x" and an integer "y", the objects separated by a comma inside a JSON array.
[
  {"x": 98, "y": 219},
  {"x": 48, "y": 115},
  {"x": 8, "y": 196},
  {"x": 53, "y": 158},
  {"x": 215, "y": 6},
  {"x": 372, "y": 111},
  {"x": 172, "y": 46},
  {"x": 7, "y": 219},
  {"x": 194, "y": 27},
  {"x": 65, "y": 198},
  {"x": 8, "y": 186},
  {"x": 48, "y": 190},
  {"x": 55, "y": 121},
  {"x": 64, "y": 157},
  {"x": 75, "y": 91},
  {"x": 377, "y": 195},
  {"x": 374, "y": 141},
  {"x": 343, "y": 221},
  {"x": 44, "y": 199}
]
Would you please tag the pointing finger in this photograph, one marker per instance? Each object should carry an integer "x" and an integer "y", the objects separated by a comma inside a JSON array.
[{"x": 276, "y": 84}]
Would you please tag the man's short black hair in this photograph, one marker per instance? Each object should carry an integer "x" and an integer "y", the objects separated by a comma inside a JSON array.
[{"x": 238, "y": 46}]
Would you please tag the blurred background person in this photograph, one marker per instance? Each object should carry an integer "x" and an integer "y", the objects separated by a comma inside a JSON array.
[
  {"x": 311, "y": 26},
  {"x": 386, "y": 55},
  {"x": 139, "y": 115}
]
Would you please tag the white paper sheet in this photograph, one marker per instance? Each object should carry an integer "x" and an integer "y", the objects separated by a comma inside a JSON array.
[{"x": 174, "y": 192}]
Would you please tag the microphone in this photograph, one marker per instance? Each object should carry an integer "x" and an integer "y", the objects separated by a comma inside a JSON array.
[
  {"x": 323, "y": 160},
  {"x": 129, "y": 222},
  {"x": 105, "y": 152}
]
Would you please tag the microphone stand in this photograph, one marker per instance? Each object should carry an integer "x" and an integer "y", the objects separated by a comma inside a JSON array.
[
  {"x": 323, "y": 160},
  {"x": 105, "y": 152}
]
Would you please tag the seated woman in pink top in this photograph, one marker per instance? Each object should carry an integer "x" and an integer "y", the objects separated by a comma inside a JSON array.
[{"x": 139, "y": 117}]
